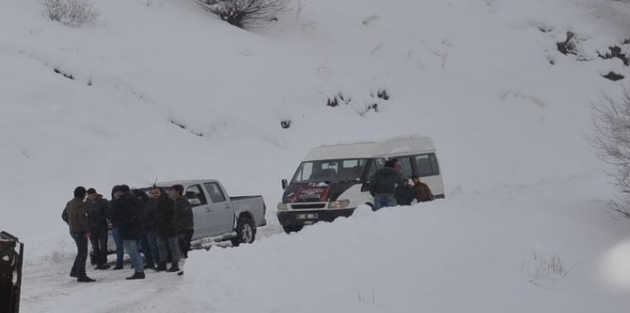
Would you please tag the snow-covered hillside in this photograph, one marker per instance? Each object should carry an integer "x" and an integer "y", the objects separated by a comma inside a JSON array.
[{"x": 162, "y": 89}]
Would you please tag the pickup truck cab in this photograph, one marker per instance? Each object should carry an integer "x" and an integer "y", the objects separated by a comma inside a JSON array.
[
  {"x": 217, "y": 216},
  {"x": 333, "y": 180}
]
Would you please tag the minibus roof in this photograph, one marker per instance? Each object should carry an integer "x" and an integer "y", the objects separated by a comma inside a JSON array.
[
  {"x": 391, "y": 147},
  {"x": 359, "y": 150},
  {"x": 404, "y": 146}
]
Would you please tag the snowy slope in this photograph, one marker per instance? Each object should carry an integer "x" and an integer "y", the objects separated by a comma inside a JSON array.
[{"x": 507, "y": 111}]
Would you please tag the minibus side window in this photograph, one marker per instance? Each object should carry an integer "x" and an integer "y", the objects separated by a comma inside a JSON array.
[
  {"x": 426, "y": 165},
  {"x": 407, "y": 169}
]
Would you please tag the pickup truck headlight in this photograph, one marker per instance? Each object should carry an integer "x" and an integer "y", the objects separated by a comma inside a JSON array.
[
  {"x": 339, "y": 204},
  {"x": 283, "y": 206}
]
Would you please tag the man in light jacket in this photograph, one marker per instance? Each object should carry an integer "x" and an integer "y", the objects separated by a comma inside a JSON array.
[{"x": 75, "y": 216}]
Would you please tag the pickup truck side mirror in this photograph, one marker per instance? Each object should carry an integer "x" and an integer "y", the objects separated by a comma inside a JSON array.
[{"x": 284, "y": 184}]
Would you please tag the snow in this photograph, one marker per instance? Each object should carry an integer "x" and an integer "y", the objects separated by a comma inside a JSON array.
[{"x": 525, "y": 227}]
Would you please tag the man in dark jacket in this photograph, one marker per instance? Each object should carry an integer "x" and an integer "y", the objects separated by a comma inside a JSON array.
[
  {"x": 131, "y": 221},
  {"x": 184, "y": 222},
  {"x": 97, "y": 217},
  {"x": 75, "y": 215},
  {"x": 384, "y": 184},
  {"x": 114, "y": 219},
  {"x": 166, "y": 232},
  {"x": 403, "y": 193},
  {"x": 149, "y": 240}
]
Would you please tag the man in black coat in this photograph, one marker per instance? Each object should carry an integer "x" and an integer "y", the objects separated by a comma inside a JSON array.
[
  {"x": 96, "y": 208},
  {"x": 184, "y": 222},
  {"x": 149, "y": 239},
  {"x": 166, "y": 231},
  {"x": 129, "y": 210},
  {"x": 384, "y": 184},
  {"x": 114, "y": 219},
  {"x": 404, "y": 194}
]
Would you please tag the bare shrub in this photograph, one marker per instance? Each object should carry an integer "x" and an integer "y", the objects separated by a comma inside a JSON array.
[
  {"x": 613, "y": 76},
  {"x": 611, "y": 120},
  {"x": 74, "y": 13},
  {"x": 285, "y": 123},
  {"x": 568, "y": 46},
  {"x": 615, "y": 52},
  {"x": 246, "y": 13},
  {"x": 548, "y": 270}
]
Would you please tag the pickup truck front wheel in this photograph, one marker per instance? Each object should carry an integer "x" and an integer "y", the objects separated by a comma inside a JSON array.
[{"x": 245, "y": 231}]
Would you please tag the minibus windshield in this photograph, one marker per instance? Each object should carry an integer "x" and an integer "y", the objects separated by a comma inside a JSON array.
[{"x": 338, "y": 170}]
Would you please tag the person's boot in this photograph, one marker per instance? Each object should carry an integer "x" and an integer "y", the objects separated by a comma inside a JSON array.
[
  {"x": 174, "y": 268},
  {"x": 118, "y": 267},
  {"x": 102, "y": 266},
  {"x": 136, "y": 275},
  {"x": 85, "y": 279},
  {"x": 161, "y": 267},
  {"x": 149, "y": 266}
]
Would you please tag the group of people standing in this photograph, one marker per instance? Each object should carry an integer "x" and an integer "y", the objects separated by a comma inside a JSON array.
[
  {"x": 389, "y": 187},
  {"x": 156, "y": 226}
]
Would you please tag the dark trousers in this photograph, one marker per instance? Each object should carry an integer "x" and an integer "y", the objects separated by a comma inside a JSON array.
[
  {"x": 171, "y": 242},
  {"x": 183, "y": 239},
  {"x": 150, "y": 248},
  {"x": 7, "y": 296},
  {"x": 98, "y": 238},
  {"x": 78, "y": 268}
]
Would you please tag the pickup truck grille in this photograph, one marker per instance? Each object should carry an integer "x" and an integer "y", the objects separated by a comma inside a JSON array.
[{"x": 308, "y": 206}]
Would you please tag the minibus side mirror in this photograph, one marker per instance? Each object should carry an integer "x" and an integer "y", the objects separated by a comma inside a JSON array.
[{"x": 284, "y": 184}]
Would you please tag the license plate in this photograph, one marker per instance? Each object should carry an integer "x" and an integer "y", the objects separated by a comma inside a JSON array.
[{"x": 307, "y": 216}]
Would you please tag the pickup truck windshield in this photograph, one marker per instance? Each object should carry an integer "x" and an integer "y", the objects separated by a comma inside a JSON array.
[{"x": 329, "y": 171}]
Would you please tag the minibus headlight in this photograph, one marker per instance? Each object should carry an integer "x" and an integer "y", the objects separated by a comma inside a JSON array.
[
  {"x": 339, "y": 204},
  {"x": 283, "y": 206}
]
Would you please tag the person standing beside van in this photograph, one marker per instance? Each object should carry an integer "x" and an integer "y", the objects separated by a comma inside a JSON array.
[
  {"x": 384, "y": 184},
  {"x": 404, "y": 194},
  {"x": 421, "y": 190}
]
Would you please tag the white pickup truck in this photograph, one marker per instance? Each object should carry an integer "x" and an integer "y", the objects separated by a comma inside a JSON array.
[{"x": 217, "y": 216}]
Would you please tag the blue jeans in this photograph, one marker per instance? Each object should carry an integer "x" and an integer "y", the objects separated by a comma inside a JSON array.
[
  {"x": 119, "y": 246},
  {"x": 384, "y": 200},
  {"x": 149, "y": 248},
  {"x": 131, "y": 247}
]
